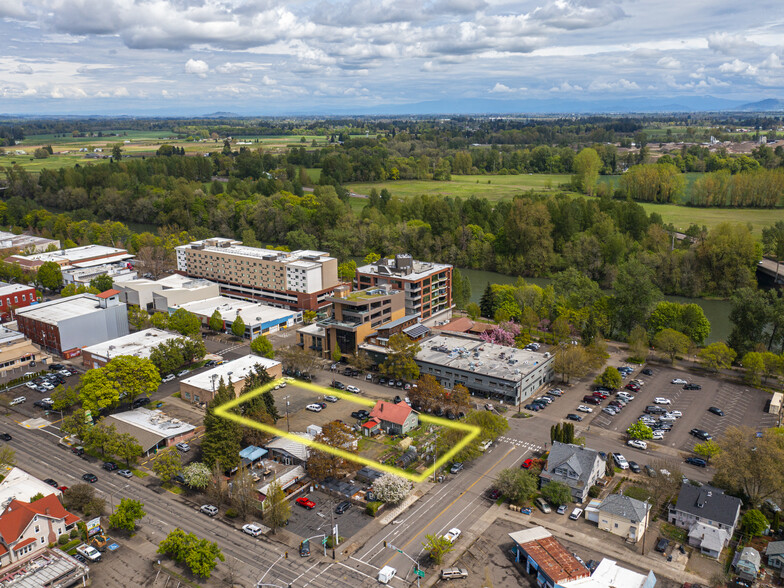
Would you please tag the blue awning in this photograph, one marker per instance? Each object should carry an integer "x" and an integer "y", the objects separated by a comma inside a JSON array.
[{"x": 252, "y": 453}]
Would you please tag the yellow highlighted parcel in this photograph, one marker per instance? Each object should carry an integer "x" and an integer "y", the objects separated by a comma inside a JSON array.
[{"x": 472, "y": 431}]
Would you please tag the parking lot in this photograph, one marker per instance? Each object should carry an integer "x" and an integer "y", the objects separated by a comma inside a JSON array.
[
  {"x": 741, "y": 405},
  {"x": 309, "y": 523}
]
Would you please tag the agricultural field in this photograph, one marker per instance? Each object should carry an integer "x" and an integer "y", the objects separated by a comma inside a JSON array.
[{"x": 494, "y": 188}]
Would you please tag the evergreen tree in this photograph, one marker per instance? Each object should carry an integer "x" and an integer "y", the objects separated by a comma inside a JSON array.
[
  {"x": 486, "y": 303},
  {"x": 222, "y": 437}
]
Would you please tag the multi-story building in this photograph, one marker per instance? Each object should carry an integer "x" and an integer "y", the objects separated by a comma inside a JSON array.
[
  {"x": 139, "y": 344},
  {"x": 259, "y": 319},
  {"x": 86, "y": 256},
  {"x": 427, "y": 286},
  {"x": 66, "y": 325},
  {"x": 18, "y": 352},
  {"x": 26, "y": 243},
  {"x": 355, "y": 317},
  {"x": 298, "y": 279},
  {"x": 13, "y": 297}
]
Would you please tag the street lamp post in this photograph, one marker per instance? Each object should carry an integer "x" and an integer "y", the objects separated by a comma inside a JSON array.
[{"x": 286, "y": 398}]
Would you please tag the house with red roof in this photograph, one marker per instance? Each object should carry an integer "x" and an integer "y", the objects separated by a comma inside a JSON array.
[
  {"x": 395, "y": 419},
  {"x": 26, "y": 527}
]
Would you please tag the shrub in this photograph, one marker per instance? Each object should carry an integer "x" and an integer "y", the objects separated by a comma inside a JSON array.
[
  {"x": 594, "y": 491},
  {"x": 63, "y": 539},
  {"x": 74, "y": 533},
  {"x": 232, "y": 513},
  {"x": 372, "y": 508}
]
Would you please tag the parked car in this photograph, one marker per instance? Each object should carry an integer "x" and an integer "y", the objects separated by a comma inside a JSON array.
[
  {"x": 574, "y": 417},
  {"x": 456, "y": 467},
  {"x": 620, "y": 461},
  {"x": 561, "y": 509},
  {"x": 634, "y": 466},
  {"x": 352, "y": 389},
  {"x": 331, "y": 398},
  {"x": 314, "y": 407},
  {"x": 141, "y": 401},
  {"x": 661, "y": 545},
  {"x": 360, "y": 414},
  {"x": 5, "y": 437},
  {"x": 657, "y": 435},
  {"x": 650, "y": 471},
  {"x": 494, "y": 494},
  {"x": 252, "y": 530},
  {"x": 592, "y": 400},
  {"x": 679, "y": 381},
  {"x": 610, "y": 410},
  {"x": 209, "y": 509},
  {"x": 129, "y": 474},
  {"x": 661, "y": 400},
  {"x": 696, "y": 461},
  {"x": 700, "y": 434},
  {"x": 542, "y": 505},
  {"x": 489, "y": 406},
  {"x": 184, "y": 447},
  {"x": 17, "y": 400},
  {"x": 647, "y": 371},
  {"x": 576, "y": 513},
  {"x": 342, "y": 507},
  {"x": 109, "y": 466},
  {"x": 692, "y": 387},
  {"x": 637, "y": 444},
  {"x": 305, "y": 502},
  {"x": 715, "y": 410},
  {"x": 51, "y": 482},
  {"x": 556, "y": 392},
  {"x": 527, "y": 463},
  {"x": 167, "y": 378},
  {"x": 92, "y": 478},
  {"x": 583, "y": 408}
]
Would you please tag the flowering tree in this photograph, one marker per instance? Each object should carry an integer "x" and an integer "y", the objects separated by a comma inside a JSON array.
[
  {"x": 197, "y": 475},
  {"x": 503, "y": 334},
  {"x": 391, "y": 488}
]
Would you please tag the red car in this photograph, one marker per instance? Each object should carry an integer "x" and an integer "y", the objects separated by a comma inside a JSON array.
[
  {"x": 527, "y": 463},
  {"x": 601, "y": 395},
  {"x": 306, "y": 502},
  {"x": 633, "y": 387}
]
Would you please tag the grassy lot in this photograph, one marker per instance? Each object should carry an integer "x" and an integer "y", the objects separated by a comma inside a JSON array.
[{"x": 494, "y": 188}]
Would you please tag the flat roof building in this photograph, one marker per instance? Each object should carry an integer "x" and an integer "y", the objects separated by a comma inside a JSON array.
[
  {"x": 138, "y": 344},
  {"x": 151, "y": 428},
  {"x": 73, "y": 257},
  {"x": 298, "y": 279},
  {"x": 487, "y": 369},
  {"x": 13, "y": 297},
  {"x": 427, "y": 286},
  {"x": 141, "y": 291},
  {"x": 66, "y": 325},
  {"x": 259, "y": 319},
  {"x": 19, "y": 485},
  {"x": 18, "y": 352},
  {"x": 25, "y": 243},
  {"x": 202, "y": 386},
  {"x": 82, "y": 273}
]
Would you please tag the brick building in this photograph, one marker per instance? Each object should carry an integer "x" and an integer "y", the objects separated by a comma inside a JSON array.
[{"x": 14, "y": 296}]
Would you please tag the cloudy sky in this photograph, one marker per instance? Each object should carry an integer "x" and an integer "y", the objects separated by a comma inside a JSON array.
[{"x": 273, "y": 56}]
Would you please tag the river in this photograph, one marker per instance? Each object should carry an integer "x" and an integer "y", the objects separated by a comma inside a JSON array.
[{"x": 716, "y": 311}]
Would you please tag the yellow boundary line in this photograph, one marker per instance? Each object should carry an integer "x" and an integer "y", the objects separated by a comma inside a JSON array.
[{"x": 224, "y": 411}]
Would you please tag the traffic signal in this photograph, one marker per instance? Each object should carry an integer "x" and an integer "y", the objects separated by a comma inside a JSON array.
[
  {"x": 286, "y": 555},
  {"x": 385, "y": 543}
]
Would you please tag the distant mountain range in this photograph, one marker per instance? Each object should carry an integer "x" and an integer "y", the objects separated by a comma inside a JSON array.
[{"x": 450, "y": 106}]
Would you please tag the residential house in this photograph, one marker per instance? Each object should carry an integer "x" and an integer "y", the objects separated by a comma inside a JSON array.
[
  {"x": 608, "y": 574},
  {"x": 395, "y": 419},
  {"x": 577, "y": 467},
  {"x": 624, "y": 516},
  {"x": 775, "y": 553},
  {"x": 705, "y": 504},
  {"x": 290, "y": 452},
  {"x": 26, "y": 527},
  {"x": 708, "y": 539},
  {"x": 747, "y": 564}
]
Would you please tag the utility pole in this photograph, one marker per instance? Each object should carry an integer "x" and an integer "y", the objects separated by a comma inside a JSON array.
[
  {"x": 286, "y": 398},
  {"x": 419, "y": 573},
  {"x": 334, "y": 530}
]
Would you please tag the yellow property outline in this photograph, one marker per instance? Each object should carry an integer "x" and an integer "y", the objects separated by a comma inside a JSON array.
[{"x": 224, "y": 410}]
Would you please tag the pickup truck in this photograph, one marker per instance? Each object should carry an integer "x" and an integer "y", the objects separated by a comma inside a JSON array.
[{"x": 89, "y": 552}]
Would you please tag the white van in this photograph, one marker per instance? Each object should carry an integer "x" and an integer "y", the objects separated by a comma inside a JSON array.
[
  {"x": 386, "y": 574},
  {"x": 18, "y": 400},
  {"x": 453, "y": 573}
]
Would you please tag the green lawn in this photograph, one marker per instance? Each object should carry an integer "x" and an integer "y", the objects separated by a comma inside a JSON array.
[{"x": 494, "y": 188}]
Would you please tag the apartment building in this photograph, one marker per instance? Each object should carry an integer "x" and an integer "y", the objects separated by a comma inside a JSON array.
[
  {"x": 14, "y": 296},
  {"x": 427, "y": 286},
  {"x": 297, "y": 279}
]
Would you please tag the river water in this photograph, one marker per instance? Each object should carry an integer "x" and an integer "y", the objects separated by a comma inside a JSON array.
[{"x": 716, "y": 311}]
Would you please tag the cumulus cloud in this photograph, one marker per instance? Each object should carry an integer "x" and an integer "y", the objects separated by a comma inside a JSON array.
[
  {"x": 736, "y": 66},
  {"x": 622, "y": 84},
  {"x": 23, "y": 68},
  {"x": 197, "y": 67},
  {"x": 566, "y": 87},
  {"x": 578, "y": 14},
  {"x": 669, "y": 63},
  {"x": 228, "y": 68},
  {"x": 773, "y": 61},
  {"x": 500, "y": 88},
  {"x": 729, "y": 43}
]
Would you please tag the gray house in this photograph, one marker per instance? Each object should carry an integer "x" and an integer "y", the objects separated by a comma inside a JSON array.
[
  {"x": 775, "y": 553},
  {"x": 577, "y": 467},
  {"x": 708, "y": 539},
  {"x": 705, "y": 504},
  {"x": 395, "y": 419},
  {"x": 747, "y": 564}
]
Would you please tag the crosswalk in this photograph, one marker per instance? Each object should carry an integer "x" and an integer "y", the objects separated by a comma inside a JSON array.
[
  {"x": 521, "y": 444},
  {"x": 235, "y": 347}
]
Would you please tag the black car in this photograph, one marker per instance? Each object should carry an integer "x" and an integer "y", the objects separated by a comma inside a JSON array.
[
  {"x": 697, "y": 461},
  {"x": 716, "y": 411},
  {"x": 360, "y": 414},
  {"x": 661, "y": 545},
  {"x": 304, "y": 548},
  {"x": 338, "y": 385},
  {"x": 647, "y": 371},
  {"x": 179, "y": 479},
  {"x": 342, "y": 507},
  {"x": 634, "y": 466},
  {"x": 109, "y": 466},
  {"x": 532, "y": 407},
  {"x": 55, "y": 367},
  {"x": 692, "y": 387},
  {"x": 141, "y": 402},
  {"x": 51, "y": 482},
  {"x": 397, "y": 400},
  {"x": 700, "y": 434},
  {"x": 79, "y": 557},
  {"x": 650, "y": 471},
  {"x": 574, "y": 417},
  {"x": 382, "y": 381},
  {"x": 5, "y": 437},
  {"x": 92, "y": 478},
  {"x": 211, "y": 363}
]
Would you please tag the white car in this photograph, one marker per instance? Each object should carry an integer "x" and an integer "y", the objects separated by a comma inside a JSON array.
[
  {"x": 583, "y": 408},
  {"x": 660, "y": 400},
  {"x": 168, "y": 378},
  {"x": 667, "y": 418},
  {"x": 452, "y": 535},
  {"x": 679, "y": 381},
  {"x": 576, "y": 513},
  {"x": 252, "y": 530},
  {"x": 17, "y": 400},
  {"x": 314, "y": 407},
  {"x": 620, "y": 461},
  {"x": 331, "y": 398},
  {"x": 47, "y": 386},
  {"x": 658, "y": 435},
  {"x": 624, "y": 396},
  {"x": 676, "y": 413},
  {"x": 31, "y": 385},
  {"x": 352, "y": 389},
  {"x": 637, "y": 444}
]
